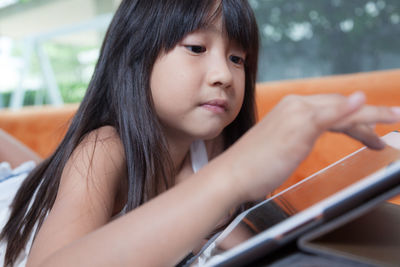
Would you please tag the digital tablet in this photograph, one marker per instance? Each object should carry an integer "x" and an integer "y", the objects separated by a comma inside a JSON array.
[{"x": 326, "y": 194}]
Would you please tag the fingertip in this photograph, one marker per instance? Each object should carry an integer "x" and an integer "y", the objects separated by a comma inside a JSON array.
[
  {"x": 356, "y": 99},
  {"x": 396, "y": 111},
  {"x": 379, "y": 144}
]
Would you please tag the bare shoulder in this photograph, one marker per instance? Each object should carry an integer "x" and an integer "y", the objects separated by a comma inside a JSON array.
[
  {"x": 98, "y": 161},
  {"x": 106, "y": 135},
  {"x": 101, "y": 143},
  {"x": 97, "y": 171},
  {"x": 101, "y": 151},
  {"x": 88, "y": 193}
]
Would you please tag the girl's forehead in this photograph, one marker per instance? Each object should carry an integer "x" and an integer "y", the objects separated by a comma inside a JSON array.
[
  {"x": 215, "y": 26},
  {"x": 213, "y": 19},
  {"x": 232, "y": 19},
  {"x": 229, "y": 24},
  {"x": 218, "y": 27}
]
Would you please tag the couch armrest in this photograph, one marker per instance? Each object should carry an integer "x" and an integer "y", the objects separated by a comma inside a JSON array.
[{"x": 40, "y": 128}]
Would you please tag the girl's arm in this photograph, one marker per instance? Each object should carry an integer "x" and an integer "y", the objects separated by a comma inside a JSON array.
[
  {"x": 78, "y": 231},
  {"x": 162, "y": 231},
  {"x": 14, "y": 152}
]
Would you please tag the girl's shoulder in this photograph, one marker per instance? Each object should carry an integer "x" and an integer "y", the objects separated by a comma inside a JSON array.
[
  {"x": 106, "y": 135},
  {"x": 107, "y": 156},
  {"x": 103, "y": 147},
  {"x": 90, "y": 192},
  {"x": 98, "y": 160},
  {"x": 104, "y": 140},
  {"x": 100, "y": 151}
]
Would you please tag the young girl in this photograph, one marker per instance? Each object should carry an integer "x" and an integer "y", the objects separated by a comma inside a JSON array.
[{"x": 124, "y": 187}]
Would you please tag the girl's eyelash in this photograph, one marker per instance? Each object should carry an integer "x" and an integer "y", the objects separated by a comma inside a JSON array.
[
  {"x": 197, "y": 49},
  {"x": 237, "y": 60}
]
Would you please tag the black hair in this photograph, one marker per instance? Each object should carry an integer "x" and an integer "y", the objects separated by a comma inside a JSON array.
[{"x": 119, "y": 95}]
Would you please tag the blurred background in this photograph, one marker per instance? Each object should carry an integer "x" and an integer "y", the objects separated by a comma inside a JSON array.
[{"x": 48, "y": 48}]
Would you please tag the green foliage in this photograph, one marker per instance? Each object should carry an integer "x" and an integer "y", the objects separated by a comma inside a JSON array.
[
  {"x": 344, "y": 33},
  {"x": 70, "y": 74},
  {"x": 5, "y": 99},
  {"x": 73, "y": 92},
  {"x": 68, "y": 71},
  {"x": 29, "y": 99}
]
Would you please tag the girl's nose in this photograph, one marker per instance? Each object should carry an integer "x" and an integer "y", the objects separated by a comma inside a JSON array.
[{"x": 219, "y": 73}]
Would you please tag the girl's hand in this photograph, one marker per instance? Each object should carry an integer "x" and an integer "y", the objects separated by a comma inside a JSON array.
[{"x": 271, "y": 150}]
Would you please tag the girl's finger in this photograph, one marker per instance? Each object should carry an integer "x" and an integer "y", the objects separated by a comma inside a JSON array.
[
  {"x": 332, "y": 109},
  {"x": 365, "y": 134},
  {"x": 373, "y": 114},
  {"x": 369, "y": 115}
]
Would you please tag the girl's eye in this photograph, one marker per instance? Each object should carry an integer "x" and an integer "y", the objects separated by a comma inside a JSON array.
[
  {"x": 237, "y": 60},
  {"x": 197, "y": 49}
]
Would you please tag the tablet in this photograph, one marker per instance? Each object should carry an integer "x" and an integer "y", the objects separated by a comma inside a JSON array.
[{"x": 326, "y": 194}]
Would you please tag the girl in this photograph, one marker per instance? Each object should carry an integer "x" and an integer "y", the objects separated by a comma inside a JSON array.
[{"x": 123, "y": 188}]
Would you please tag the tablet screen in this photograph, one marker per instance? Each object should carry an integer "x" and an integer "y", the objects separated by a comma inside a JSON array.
[{"x": 305, "y": 194}]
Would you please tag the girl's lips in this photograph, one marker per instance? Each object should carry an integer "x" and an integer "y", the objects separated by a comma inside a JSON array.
[{"x": 216, "y": 106}]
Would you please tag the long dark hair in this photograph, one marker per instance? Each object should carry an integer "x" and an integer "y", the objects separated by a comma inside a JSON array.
[{"x": 119, "y": 95}]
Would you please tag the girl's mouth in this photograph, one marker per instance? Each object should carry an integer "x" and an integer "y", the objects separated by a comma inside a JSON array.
[{"x": 215, "y": 105}]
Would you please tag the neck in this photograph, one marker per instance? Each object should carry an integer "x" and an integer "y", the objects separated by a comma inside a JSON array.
[
  {"x": 178, "y": 148},
  {"x": 215, "y": 146},
  {"x": 178, "y": 151}
]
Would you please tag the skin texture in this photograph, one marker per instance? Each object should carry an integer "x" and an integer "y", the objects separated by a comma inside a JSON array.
[{"x": 80, "y": 229}]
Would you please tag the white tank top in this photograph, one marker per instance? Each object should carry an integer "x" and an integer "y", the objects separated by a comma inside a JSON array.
[
  {"x": 198, "y": 155},
  {"x": 10, "y": 181}
]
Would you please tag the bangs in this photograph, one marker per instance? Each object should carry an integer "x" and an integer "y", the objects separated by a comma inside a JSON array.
[
  {"x": 184, "y": 17},
  {"x": 239, "y": 23}
]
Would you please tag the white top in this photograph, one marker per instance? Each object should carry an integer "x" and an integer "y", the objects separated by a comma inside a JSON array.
[
  {"x": 198, "y": 155},
  {"x": 11, "y": 179}
]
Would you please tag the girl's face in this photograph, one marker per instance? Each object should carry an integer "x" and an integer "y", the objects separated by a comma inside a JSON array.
[{"x": 198, "y": 87}]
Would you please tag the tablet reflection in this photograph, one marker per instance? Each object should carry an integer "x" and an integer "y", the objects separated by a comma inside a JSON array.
[{"x": 258, "y": 219}]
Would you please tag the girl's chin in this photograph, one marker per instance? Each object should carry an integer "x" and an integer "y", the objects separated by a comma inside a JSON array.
[{"x": 208, "y": 135}]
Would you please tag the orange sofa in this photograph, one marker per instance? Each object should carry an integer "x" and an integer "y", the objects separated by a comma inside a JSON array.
[{"x": 41, "y": 128}]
